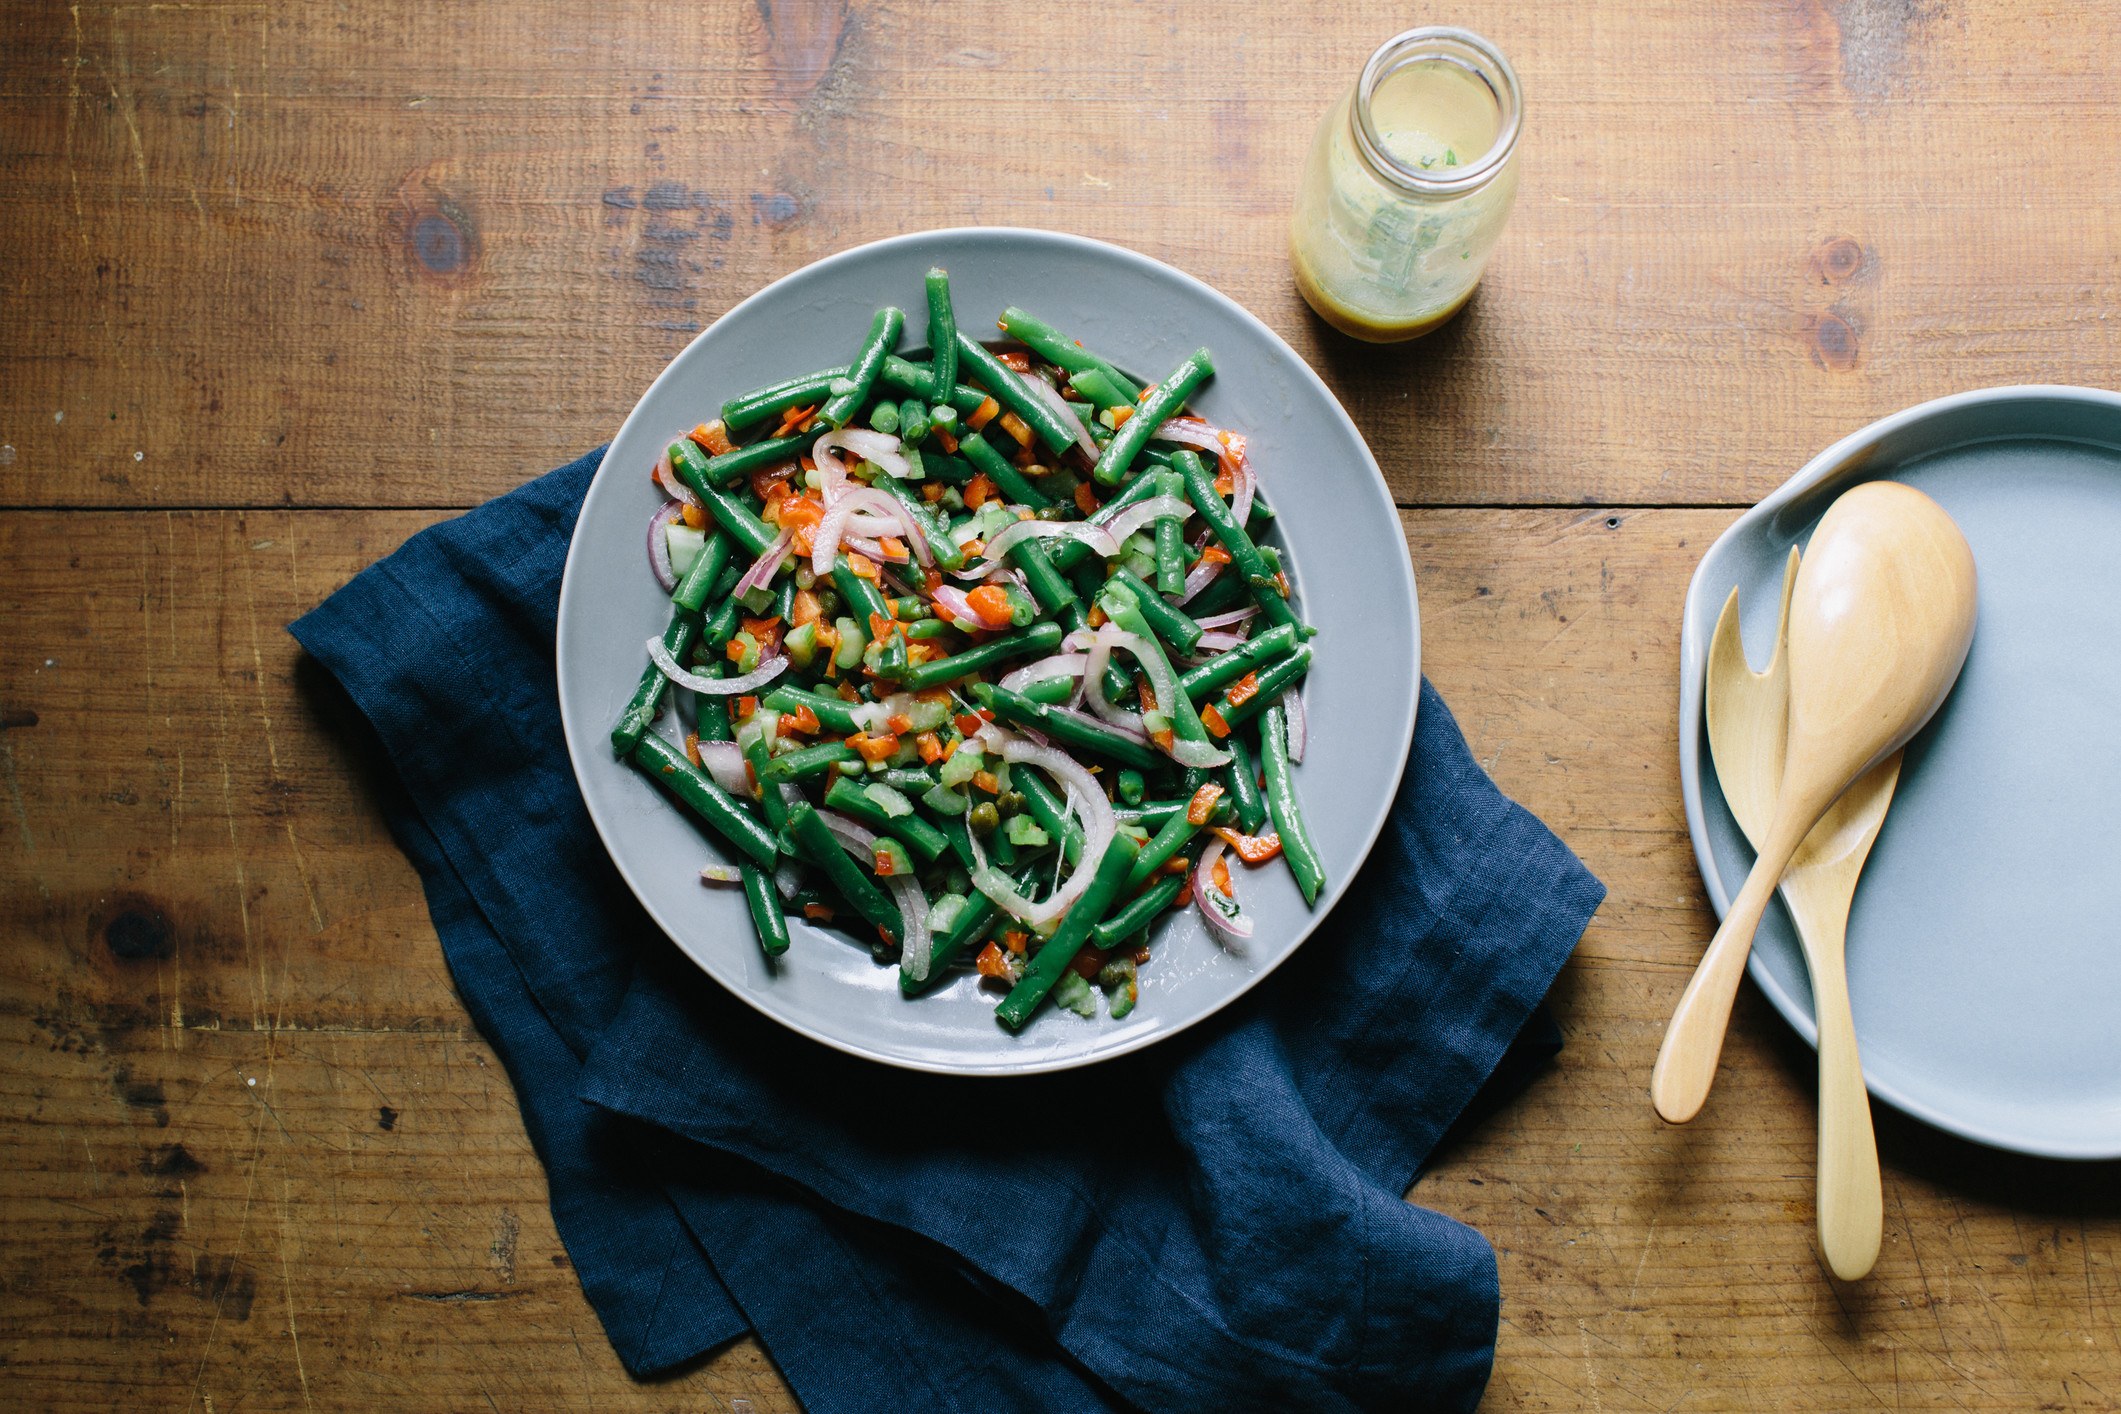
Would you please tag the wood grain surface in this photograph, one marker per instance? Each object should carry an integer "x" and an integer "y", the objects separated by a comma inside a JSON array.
[{"x": 284, "y": 283}]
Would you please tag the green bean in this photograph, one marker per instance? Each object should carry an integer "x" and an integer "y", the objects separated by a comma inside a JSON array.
[
  {"x": 1145, "y": 908},
  {"x": 706, "y": 568},
  {"x": 1073, "y": 730},
  {"x": 1277, "y": 679},
  {"x": 884, "y": 417},
  {"x": 912, "y": 421},
  {"x": 849, "y": 393},
  {"x": 1222, "y": 594},
  {"x": 1170, "y": 538},
  {"x": 864, "y": 599},
  {"x": 678, "y": 637},
  {"x": 711, "y": 710},
  {"x": 721, "y": 625},
  {"x": 1225, "y": 668},
  {"x": 822, "y": 848},
  {"x": 1016, "y": 488},
  {"x": 1165, "y": 401},
  {"x": 942, "y": 330},
  {"x": 1071, "y": 553},
  {"x": 1131, "y": 787},
  {"x": 910, "y": 830},
  {"x": 1104, "y": 390},
  {"x": 1296, "y": 845},
  {"x": 750, "y": 533},
  {"x": 1058, "y": 349},
  {"x": 972, "y": 924},
  {"x": 1047, "y": 585},
  {"x": 671, "y": 769},
  {"x": 832, "y": 713},
  {"x": 1172, "y": 624},
  {"x": 776, "y": 398},
  {"x": 1241, "y": 780},
  {"x": 1047, "y": 808},
  {"x": 1150, "y": 814},
  {"x": 807, "y": 761},
  {"x": 1245, "y": 559},
  {"x": 765, "y": 905},
  {"x": 919, "y": 380},
  {"x": 1084, "y": 914},
  {"x": 949, "y": 470},
  {"x": 1039, "y": 639},
  {"x": 772, "y": 803},
  {"x": 1173, "y": 835},
  {"x": 731, "y": 467},
  {"x": 1001, "y": 381},
  {"x": 1125, "y": 608}
]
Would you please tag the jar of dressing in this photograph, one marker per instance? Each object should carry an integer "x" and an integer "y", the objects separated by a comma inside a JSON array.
[{"x": 1407, "y": 185}]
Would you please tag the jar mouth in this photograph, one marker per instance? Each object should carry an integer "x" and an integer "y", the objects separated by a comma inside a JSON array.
[{"x": 1467, "y": 51}]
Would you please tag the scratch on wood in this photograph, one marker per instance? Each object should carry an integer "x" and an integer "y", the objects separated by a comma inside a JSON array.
[{"x": 287, "y": 1288}]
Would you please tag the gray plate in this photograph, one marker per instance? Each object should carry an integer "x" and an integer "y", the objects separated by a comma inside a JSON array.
[
  {"x": 1349, "y": 564},
  {"x": 1984, "y": 956}
]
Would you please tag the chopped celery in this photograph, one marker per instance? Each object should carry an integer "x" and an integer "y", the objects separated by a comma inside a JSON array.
[
  {"x": 891, "y": 858},
  {"x": 1025, "y": 832},
  {"x": 885, "y": 798},
  {"x": 1072, "y": 993},
  {"x": 685, "y": 543},
  {"x": 801, "y": 644},
  {"x": 945, "y": 801},
  {"x": 852, "y": 641},
  {"x": 963, "y": 765}
]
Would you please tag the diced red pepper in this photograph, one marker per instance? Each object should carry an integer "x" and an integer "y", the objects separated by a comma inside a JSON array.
[
  {"x": 1252, "y": 849},
  {"x": 714, "y": 437},
  {"x": 1212, "y": 719},
  {"x": 966, "y": 723},
  {"x": 899, "y": 723},
  {"x": 692, "y": 749},
  {"x": 980, "y": 416},
  {"x": 987, "y": 781},
  {"x": 1202, "y": 805},
  {"x": 1086, "y": 963},
  {"x": 991, "y": 963},
  {"x": 1244, "y": 689},
  {"x": 874, "y": 748},
  {"x": 1018, "y": 428},
  {"x": 930, "y": 746}
]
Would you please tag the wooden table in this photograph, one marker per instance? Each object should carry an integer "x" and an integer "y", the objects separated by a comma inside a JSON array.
[{"x": 286, "y": 282}]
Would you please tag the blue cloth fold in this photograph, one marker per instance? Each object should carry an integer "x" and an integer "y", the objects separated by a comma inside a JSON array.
[{"x": 1213, "y": 1223}]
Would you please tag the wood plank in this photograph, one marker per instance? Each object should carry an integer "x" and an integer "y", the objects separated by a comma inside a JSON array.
[
  {"x": 1642, "y": 1265},
  {"x": 407, "y": 255}
]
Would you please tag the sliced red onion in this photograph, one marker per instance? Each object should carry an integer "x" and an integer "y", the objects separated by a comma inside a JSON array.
[
  {"x": 667, "y": 478},
  {"x": 1131, "y": 732},
  {"x": 875, "y": 551},
  {"x": 825, "y": 544},
  {"x": 959, "y": 604},
  {"x": 788, "y": 880},
  {"x": 1229, "y": 449},
  {"x": 724, "y": 761},
  {"x": 767, "y": 565},
  {"x": 659, "y": 544},
  {"x": 1200, "y": 754},
  {"x": 1100, "y": 657},
  {"x": 1099, "y": 825},
  {"x": 1100, "y": 540},
  {"x": 1060, "y": 665},
  {"x": 1234, "y": 616},
  {"x": 721, "y": 874},
  {"x": 916, "y": 946},
  {"x": 879, "y": 513},
  {"x": 898, "y": 587},
  {"x": 1192, "y": 432},
  {"x": 1219, "y": 642},
  {"x": 1042, "y": 390},
  {"x": 1142, "y": 512},
  {"x": 856, "y": 839},
  {"x": 714, "y": 687},
  {"x": 1293, "y": 702},
  {"x": 866, "y": 443},
  {"x": 1225, "y": 916},
  {"x": 1198, "y": 578},
  {"x": 1242, "y": 486}
]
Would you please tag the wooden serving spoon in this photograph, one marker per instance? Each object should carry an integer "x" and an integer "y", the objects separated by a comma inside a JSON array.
[
  {"x": 1879, "y": 623},
  {"x": 1748, "y": 716}
]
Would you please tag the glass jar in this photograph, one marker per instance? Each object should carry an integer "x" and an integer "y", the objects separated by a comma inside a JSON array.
[{"x": 1407, "y": 185}]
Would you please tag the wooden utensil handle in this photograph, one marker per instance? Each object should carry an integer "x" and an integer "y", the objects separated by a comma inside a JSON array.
[
  {"x": 1851, "y": 1196},
  {"x": 1693, "y": 1042}
]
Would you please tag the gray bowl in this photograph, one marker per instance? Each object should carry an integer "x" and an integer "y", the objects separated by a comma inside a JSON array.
[
  {"x": 1984, "y": 955},
  {"x": 1348, "y": 561}
]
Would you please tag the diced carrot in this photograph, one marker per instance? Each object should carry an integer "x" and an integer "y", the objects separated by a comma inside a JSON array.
[
  {"x": 980, "y": 416},
  {"x": 1120, "y": 416},
  {"x": 1252, "y": 849},
  {"x": 1085, "y": 499},
  {"x": 1213, "y": 721},
  {"x": 795, "y": 417},
  {"x": 987, "y": 781},
  {"x": 692, "y": 749},
  {"x": 899, "y": 723},
  {"x": 746, "y": 706},
  {"x": 1244, "y": 689},
  {"x": 817, "y": 913},
  {"x": 978, "y": 492},
  {"x": 1018, "y": 428},
  {"x": 893, "y": 548},
  {"x": 1214, "y": 554},
  {"x": 874, "y": 748},
  {"x": 694, "y": 517},
  {"x": 930, "y": 746},
  {"x": 932, "y": 491},
  {"x": 1086, "y": 963},
  {"x": 1202, "y": 805},
  {"x": 949, "y": 445},
  {"x": 1016, "y": 940},
  {"x": 966, "y": 723},
  {"x": 862, "y": 565},
  {"x": 767, "y": 630},
  {"x": 991, "y": 603},
  {"x": 807, "y": 609},
  {"x": 1221, "y": 876},
  {"x": 714, "y": 437},
  {"x": 1017, "y": 360},
  {"x": 991, "y": 963}
]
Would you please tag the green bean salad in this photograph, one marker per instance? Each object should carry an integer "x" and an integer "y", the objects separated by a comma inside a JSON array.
[{"x": 986, "y": 661}]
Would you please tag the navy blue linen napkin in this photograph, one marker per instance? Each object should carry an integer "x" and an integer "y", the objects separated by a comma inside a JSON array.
[{"x": 1213, "y": 1223}]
